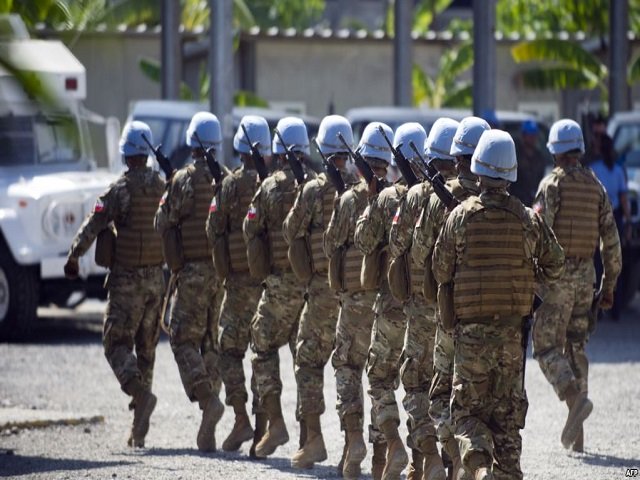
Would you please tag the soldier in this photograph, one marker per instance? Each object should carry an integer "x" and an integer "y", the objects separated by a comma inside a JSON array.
[
  {"x": 371, "y": 237},
  {"x": 355, "y": 319},
  {"x": 460, "y": 144},
  {"x": 135, "y": 281},
  {"x": 573, "y": 202},
  {"x": 275, "y": 322},
  {"x": 531, "y": 163},
  {"x": 417, "y": 354},
  {"x": 303, "y": 230},
  {"x": 493, "y": 249},
  {"x": 242, "y": 291},
  {"x": 181, "y": 219}
]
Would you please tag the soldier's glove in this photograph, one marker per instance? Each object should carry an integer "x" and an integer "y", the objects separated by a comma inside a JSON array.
[
  {"x": 71, "y": 268},
  {"x": 607, "y": 300}
]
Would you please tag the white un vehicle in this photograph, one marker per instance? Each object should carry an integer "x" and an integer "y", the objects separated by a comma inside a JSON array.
[{"x": 48, "y": 176}]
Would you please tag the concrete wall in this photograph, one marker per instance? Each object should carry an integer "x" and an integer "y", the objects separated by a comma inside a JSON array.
[{"x": 309, "y": 72}]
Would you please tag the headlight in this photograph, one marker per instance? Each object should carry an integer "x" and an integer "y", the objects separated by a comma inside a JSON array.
[{"x": 61, "y": 220}]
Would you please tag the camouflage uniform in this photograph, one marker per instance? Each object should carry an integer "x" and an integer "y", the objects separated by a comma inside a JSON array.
[
  {"x": 560, "y": 332},
  {"x": 242, "y": 291},
  {"x": 316, "y": 332},
  {"x": 417, "y": 354},
  {"x": 275, "y": 322},
  {"x": 387, "y": 336},
  {"x": 489, "y": 404},
  {"x": 426, "y": 233},
  {"x": 196, "y": 298},
  {"x": 353, "y": 331},
  {"x": 135, "y": 292}
]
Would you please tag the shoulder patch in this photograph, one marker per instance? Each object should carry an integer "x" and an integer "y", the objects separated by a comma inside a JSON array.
[{"x": 99, "y": 206}]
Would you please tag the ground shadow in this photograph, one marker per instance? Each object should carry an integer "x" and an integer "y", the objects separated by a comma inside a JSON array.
[
  {"x": 608, "y": 460},
  {"x": 11, "y": 465}
]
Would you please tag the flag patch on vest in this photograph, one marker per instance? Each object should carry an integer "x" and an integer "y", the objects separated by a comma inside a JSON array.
[
  {"x": 213, "y": 208},
  {"x": 252, "y": 213},
  {"x": 538, "y": 208},
  {"x": 396, "y": 217},
  {"x": 163, "y": 199},
  {"x": 98, "y": 207}
]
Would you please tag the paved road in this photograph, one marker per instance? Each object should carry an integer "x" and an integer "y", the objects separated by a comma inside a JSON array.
[{"x": 63, "y": 369}]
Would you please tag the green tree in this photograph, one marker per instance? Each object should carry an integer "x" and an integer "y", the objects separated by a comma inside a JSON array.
[{"x": 297, "y": 14}]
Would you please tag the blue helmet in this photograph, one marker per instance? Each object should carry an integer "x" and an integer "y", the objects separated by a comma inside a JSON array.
[
  {"x": 495, "y": 156},
  {"x": 258, "y": 131},
  {"x": 328, "y": 131},
  {"x": 294, "y": 134},
  {"x": 565, "y": 135},
  {"x": 132, "y": 142},
  {"x": 467, "y": 135},
  {"x": 205, "y": 127},
  {"x": 407, "y": 133},
  {"x": 372, "y": 143},
  {"x": 438, "y": 144}
]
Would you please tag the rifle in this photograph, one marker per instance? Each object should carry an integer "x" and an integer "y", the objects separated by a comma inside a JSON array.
[
  {"x": 362, "y": 166},
  {"x": 403, "y": 164},
  {"x": 436, "y": 181},
  {"x": 332, "y": 172},
  {"x": 258, "y": 161},
  {"x": 162, "y": 160},
  {"x": 294, "y": 163},
  {"x": 214, "y": 166}
]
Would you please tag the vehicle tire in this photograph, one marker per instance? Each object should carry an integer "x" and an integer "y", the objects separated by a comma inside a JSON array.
[{"x": 18, "y": 297}]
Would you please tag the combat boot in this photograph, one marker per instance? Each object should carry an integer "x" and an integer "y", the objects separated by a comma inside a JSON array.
[
  {"x": 258, "y": 432},
  {"x": 483, "y": 473},
  {"x": 302, "y": 438},
  {"x": 313, "y": 450},
  {"x": 579, "y": 410},
  {"x": 378, "y": 460},
  {"x": 355, "y": 447},
  {"x": 456, "y": 471},
  {"x": 241, "y": 432},
  {"x": 433, "y": 467},
  {"x": 143, "y": 402},
  {"x": 578, "y": 445},
  {"x": 276, "y": 434},
  {"x": 212, "y": 410},
  {"x": 397, "y": 458},
  {"x": 415, "y": 467}
]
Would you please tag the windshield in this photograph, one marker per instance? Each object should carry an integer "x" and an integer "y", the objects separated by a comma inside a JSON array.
[
  {"x": 627, "y": 143},
  {"x": 39, "y": 140}
]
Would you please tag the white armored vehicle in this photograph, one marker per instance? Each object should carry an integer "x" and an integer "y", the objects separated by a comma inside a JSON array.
[{"x": 48, "y": 176}]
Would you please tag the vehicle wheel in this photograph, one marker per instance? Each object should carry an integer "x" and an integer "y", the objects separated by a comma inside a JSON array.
[{"x": 18, "y": 298}]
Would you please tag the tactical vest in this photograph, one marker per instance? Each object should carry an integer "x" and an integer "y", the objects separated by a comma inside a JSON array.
[
  {"x": 237, "y": 248},
  {"x": 494, "y": 277},
  {"x": 195, "y": 244},
  {"x": 277, "y": 245},
  {"x": 137, "y": 242},
  {"x": 576, "y": 223},
  {"x": 316, "y": 239}
]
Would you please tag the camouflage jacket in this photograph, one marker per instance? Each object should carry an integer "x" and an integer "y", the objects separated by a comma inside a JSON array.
[
  {"x": 404, "y": 221},
  {"x": 547, "y": 205},
  {"x": 114, "y": 206},
  {"x": 307, "y": 211},
  {"x": 342, "y": 226},
  {"x": 540, "y": 242},
  {"x": 372, "y": 228}
]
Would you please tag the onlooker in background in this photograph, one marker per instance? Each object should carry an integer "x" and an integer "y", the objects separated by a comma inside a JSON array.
[
  {"x": 531, "y": 163},
  {"x": 612, "y": 176}
]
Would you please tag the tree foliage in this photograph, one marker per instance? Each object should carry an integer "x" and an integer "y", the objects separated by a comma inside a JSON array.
[{"x": 297, "y": 14}]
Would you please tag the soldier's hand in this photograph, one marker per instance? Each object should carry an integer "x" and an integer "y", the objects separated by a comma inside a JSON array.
[
  {"x": 71, "y": 268},
  {"x": 607, "y": 300}
]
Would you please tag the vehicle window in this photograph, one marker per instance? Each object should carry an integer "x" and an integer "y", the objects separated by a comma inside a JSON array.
[
  {"x": 16, "y": 141},
  {"x": 627, "y": 143}
]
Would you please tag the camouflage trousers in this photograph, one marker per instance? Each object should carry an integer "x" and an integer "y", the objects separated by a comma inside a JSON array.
[
  {"x": 195, "y": 306},
  {"x": 488, "y": 404},
  {"x": 314, "y": 343},
  {"x": 353, "y": 336},
  {"x": 560, "y": 330},
  {"x": 383, "y": 362},
  {"x": 440, "y": 391},
  {"x": 241, "y": 296},
  {"x": 274, "y": 325},
  {"x": 416, "y": 368},
  {"x": 132, "y": 321}
]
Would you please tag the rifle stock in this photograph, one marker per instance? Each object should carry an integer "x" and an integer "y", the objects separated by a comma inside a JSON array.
[
  {"x": 294, "y": 163},
  {"x": 437, "y": 182},
  {"x": 332, "y": 172},
  {"x": 258, "y": 161},
  {"x": 403, "y": 164},
  {"x": 362, "y": 166},
  {"x": 162, "y": 160}
]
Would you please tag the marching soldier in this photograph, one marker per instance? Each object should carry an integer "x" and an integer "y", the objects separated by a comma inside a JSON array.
[
  {"x": 493, "y": 249},
  {"x": 461, "y": 145},
  {"x": 275, "y": 322},
  {"x": 371, "y": 237},
  {"x": 353, "y": 332},
  {"x": 181, "y": 219},
  {"x": 242, "y": 291},
  {"x": 135, "y": 281},
  {"x": 416, "y": 368},
  {"x": 303, "y": 230},
  {"x": 574, "y": 203}
]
